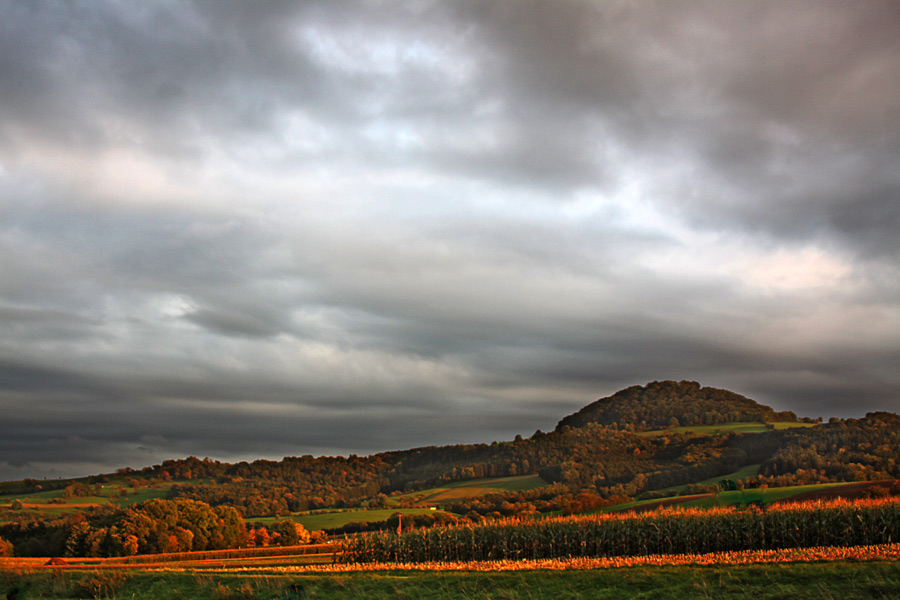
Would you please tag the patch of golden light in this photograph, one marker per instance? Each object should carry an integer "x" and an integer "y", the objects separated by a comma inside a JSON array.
[{"x": 793, "y": 270}]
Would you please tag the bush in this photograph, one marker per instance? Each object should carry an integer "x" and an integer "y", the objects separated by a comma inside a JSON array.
[
  {"x": 101, "y": 584},
  {"x": 223, "y": 592}
]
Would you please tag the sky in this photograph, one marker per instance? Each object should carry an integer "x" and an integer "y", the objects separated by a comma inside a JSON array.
[{"x": 245, "y": 230}]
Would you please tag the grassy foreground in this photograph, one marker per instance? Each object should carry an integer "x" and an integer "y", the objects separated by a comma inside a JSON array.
[{"x": 844, "y": 580}]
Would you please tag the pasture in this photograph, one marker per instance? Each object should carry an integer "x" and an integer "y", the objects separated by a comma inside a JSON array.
[
  {"x": 740, "y": 427},
  {"x": 458, "y": 490},
  {"x": 332, "y": 519},
  {"x": 55, "y": 502},
  {"x": 748, "y": 496},
  {"x": 810, "y": 550},
  {"x": 846, "y": 579}
]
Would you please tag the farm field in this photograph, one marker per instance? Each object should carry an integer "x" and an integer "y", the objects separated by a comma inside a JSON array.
[
  {"x": 53, "y": 502},
  {"x": 845, "y": 579},
  {"x": 748, "y": 496},
  {"x": 762, "y": 495},
  {"x": 747, "y": 472},
  {"x": 839, "y": 523},
  {"x": 742, "y": 427},
  {"x": 742, "y": 474},
  {"x": 474, "y": 487},
  {"x": 815, "y": 549},
  {"x": 116, "y": 493},
  {"x": 332, "y": 519}
]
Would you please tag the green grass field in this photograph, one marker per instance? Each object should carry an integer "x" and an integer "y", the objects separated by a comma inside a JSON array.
[
  {"x": 829, "y": 581},
  {"x": 762, "y": 495},
  {"x": 52, "y": 502},
  {"x": 331, "y": 520},
  {"x": 743, "y": 427},
  {"x": 742, "y": 474}
]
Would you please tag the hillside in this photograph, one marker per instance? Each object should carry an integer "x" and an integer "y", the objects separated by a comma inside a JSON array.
[
  {"x": 619, "y": 448},
  {"x": 663, "y": 404}
]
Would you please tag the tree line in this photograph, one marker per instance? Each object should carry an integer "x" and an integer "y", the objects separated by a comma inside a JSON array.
[{"x": 152, "y": 527}]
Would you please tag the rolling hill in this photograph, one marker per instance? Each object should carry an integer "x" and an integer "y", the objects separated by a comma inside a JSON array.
[
  {"x": 644, "y": 442},
  {"x": 669, "y": 403}
]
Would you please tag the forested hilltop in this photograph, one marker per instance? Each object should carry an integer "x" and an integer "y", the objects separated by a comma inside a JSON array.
[
  {"x": 643, "y": 442},
  {"x": 673, "y": 403}
]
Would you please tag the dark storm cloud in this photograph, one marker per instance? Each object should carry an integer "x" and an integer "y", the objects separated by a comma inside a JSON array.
[
  {"x": 792, "y": 102},
  {"x": 19, "y": 377},
  {"x": 160, "y": 64},
  {"x": 805, "y": 117},
  {"x": 238, "y": 229},
  {"x": 233, "y": 323},
  {"x": 77, "y": 424}
]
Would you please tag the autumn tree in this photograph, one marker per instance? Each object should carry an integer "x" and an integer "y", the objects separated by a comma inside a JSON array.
[{"x": 291, "y": 533}]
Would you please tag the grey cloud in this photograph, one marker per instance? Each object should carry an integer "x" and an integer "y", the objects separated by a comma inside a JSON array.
[
  {"x": 804, "y": 107},
  {"x": 855, "y": 207},
  {"x": 232, "y": 323},
  {"x": 759, "y": 97},
  {"x": 40, "y": 324},
  {"x": 161, "y": 77},
  {"x": 19, "y": 377},
  {"x": 870, "y": 215},
  {"x": 245, "y": 230},
  {"x": 144, "y": 433}
]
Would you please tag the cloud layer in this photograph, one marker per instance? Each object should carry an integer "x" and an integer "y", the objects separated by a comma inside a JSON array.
[{"x": 240, "y": 230}]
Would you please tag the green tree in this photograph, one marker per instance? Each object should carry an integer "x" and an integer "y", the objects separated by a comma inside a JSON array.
[{"x": 291, "y": 533}]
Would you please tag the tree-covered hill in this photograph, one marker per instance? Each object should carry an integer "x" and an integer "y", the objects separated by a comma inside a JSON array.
[
  {"x": 662, "y": 404},
  {"x": 602, "y": 454}
]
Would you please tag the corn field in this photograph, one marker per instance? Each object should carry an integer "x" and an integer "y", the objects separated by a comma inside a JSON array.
[{"x": 671, "y": 531}]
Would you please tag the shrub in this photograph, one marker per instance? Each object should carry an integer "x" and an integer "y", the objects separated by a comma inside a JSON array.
[
  {"x": 244, "y": 592},
  {"x": 101, "y": 584}
]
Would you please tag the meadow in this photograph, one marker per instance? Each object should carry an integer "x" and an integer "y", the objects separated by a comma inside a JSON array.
[
  {"x": 434, "y": 498},
  {"x": 742, "y": 497},
  {"x": 115, "y": 492},
  {"x": 738, "y": 427},
  {"x": 458, "y": 490},
  {"x": 333, "y": 519},
  {"x": 869, "y": 576},
  {"x": 812, "y": 549}
]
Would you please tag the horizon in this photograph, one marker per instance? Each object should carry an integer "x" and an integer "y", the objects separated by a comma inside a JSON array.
[
  {"x": 251, "y": 459},
  {"x": 331, "y": 228}
]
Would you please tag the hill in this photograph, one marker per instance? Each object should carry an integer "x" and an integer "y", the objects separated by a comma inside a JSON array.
[
  {"x": 616, "y": 449},
  {"x": 663, "y": 404}
]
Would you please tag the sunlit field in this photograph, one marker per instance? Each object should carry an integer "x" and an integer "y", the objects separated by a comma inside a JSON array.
[
  {"x": 822, "y": 549},
  {"x": 740, "y": 427},
  {"x": 471, "y": 488},
  {"x": 846, "y": 573},
  {"x": 667, "y": 531}
]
